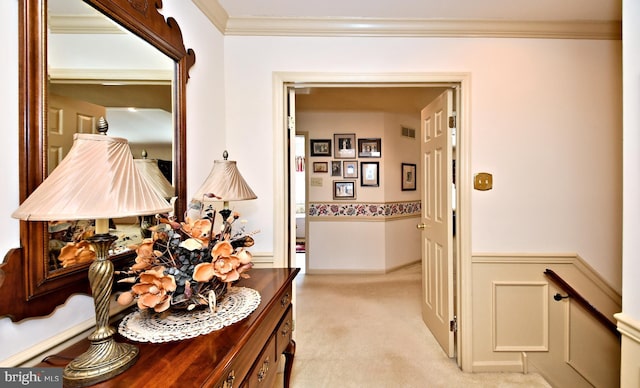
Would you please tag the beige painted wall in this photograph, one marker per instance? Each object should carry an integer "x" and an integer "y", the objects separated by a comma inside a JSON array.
[{"x": 544, "y": 120}]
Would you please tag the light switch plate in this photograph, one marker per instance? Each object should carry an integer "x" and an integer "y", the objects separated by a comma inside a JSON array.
[
  {"x": 483, "y": 181},
  {"x": 316, "y": 182}
]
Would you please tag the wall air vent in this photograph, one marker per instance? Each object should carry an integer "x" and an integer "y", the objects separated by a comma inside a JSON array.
[{"x": 409, "y": 132}]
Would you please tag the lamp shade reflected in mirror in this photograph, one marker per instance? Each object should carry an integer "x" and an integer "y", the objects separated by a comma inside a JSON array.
[{"x": 152, "y": 174}]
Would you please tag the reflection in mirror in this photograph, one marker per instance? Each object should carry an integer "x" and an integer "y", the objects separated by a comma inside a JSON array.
[
  {"x": 30, "y": 289},
  {"x": 96, "y": 68}
]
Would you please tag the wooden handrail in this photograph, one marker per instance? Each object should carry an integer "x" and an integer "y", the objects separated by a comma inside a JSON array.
[{"x": 575, "y": 295}]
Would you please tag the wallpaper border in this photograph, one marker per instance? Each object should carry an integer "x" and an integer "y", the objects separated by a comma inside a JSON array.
[{"x": 378, "y": 210}]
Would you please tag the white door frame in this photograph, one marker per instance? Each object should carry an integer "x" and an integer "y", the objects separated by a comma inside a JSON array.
[{"x": 282, "y": 250}]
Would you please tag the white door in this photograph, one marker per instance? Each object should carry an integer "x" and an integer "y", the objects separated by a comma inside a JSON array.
[
  {"x": 68, "y": 116},
  {"x": 436, "y": 222}
]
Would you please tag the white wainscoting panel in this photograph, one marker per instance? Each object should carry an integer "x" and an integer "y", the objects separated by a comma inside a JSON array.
[
  {"x": 519, "y": 326},
  {"x": 520, "y": 316}
]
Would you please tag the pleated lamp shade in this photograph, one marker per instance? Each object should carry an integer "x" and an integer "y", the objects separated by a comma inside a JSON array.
[
  {"x": 151, "y": 172},
  {"x": 96, "y": 180},
  {"x": 226, "y": 183}
]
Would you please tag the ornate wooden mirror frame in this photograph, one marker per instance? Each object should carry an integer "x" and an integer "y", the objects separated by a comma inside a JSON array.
[{"x": 28, "y": 289}]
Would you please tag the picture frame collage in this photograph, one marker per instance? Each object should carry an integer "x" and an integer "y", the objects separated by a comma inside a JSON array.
[{"x": 346, "y": 150}]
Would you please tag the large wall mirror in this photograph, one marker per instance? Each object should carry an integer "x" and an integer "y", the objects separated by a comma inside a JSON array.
[{"x": 80, "y": 60}]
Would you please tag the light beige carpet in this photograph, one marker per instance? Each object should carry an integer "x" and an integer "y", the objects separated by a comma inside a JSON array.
[{"x": 367, "y": 331}]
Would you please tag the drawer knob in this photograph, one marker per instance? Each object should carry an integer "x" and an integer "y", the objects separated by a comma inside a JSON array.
[
  {"x": 284, "y": 302},
  {"x": 228, "y": 382},
  {"x": 263, "y": 371},
  {"x": 285, "y": 329}
]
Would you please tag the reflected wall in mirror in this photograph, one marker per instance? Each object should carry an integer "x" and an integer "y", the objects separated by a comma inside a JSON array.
[
  {"x": 32, "y": 287},
  {"x": 95, "y": 68}
]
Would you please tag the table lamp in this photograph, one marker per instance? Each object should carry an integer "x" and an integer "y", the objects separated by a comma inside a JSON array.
[
  {"x": 224, "y": 183},
  {"x": 151, "y": 173},
  {"x": 96, "y": 180}
]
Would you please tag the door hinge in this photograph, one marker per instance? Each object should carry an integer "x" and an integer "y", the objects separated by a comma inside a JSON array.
[
  {"x": 292, "y": 122},
  {"x": 453, "y": 324},
  {"x": 452, "y": 121}
]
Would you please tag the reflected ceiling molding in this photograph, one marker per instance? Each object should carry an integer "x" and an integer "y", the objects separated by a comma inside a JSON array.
[
  {"x": 122, "y": 76},
  {"x": 83, "y": 24}
]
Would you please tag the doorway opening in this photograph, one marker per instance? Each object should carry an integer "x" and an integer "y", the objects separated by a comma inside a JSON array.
[{"x": 284, "y": 86}]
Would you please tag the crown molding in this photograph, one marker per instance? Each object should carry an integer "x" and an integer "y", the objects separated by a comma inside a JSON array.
[
  {"x": 365, "y": 27},
  {"x": 349, "y": 27},
  {"x": 214, "y": 12}
]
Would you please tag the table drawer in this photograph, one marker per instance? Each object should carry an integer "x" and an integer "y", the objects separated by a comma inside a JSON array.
[
  {"x": 284, "y": 332},
  {"x": 264, "y": 371}
]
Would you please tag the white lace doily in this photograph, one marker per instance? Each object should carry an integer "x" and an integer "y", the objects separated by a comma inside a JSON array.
[{"x": 237, "y": 304}]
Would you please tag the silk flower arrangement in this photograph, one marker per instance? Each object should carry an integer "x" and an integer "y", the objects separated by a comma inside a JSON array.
[{"x": 185, "y": 265}]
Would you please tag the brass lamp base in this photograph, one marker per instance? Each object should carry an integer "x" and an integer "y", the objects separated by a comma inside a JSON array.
[
  {"x": 101, "y": 362},
  {"x": 105, "y": 357}
]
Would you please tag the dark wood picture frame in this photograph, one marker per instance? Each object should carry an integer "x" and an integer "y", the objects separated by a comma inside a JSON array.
[
  {"x": 320, "y": 147},
  {"x": 408, "y": 176},
  {"x": 370, "y": 174},
  {"x": 321, "y": 167},
  {"x": 370, "y": 148},
  {"x": 344, "y": 189},
  {"x": 344, "y": 145}
]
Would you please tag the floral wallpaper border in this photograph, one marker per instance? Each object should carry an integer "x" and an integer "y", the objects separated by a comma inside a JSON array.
[{"x": 358, "y": 209}]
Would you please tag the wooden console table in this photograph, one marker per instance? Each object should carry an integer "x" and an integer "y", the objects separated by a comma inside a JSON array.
[{"x": 245, "y": 354}]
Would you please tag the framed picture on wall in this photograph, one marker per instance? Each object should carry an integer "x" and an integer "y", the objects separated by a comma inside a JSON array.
[
  {"x": 370, "y": 174},
  {"x": 344, "y": 145},
  {"x": 369, "y": 148},
  {"x": 350, "y": 169},
  {"x": 408, "y": 176},
  {"x": 320, "y": 147},
  {"x": 320, "y": 166},
  {"x": 344, "y": 189},
  {"x": 336, "y": 168}
]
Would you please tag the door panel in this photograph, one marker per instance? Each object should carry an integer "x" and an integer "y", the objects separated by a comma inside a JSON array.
[
  {"x": 436, "y": 223},
  {"x": 67, "y": 117}
]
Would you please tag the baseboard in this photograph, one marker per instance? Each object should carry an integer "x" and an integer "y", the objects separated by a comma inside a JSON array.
[
  {"x": 403, "y": 266},
  {"x": 347, "y": 272},
  {"x": 498, "y": 366}
]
